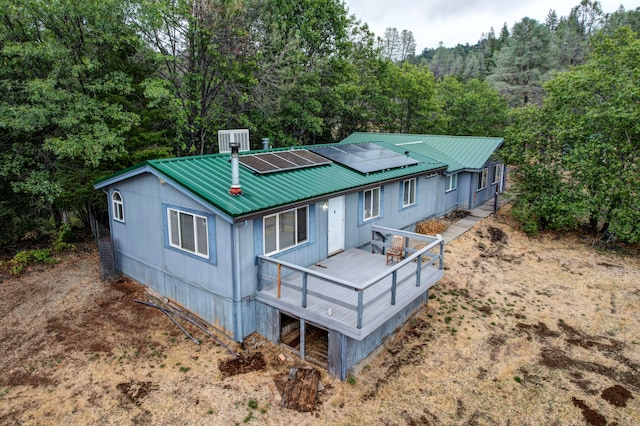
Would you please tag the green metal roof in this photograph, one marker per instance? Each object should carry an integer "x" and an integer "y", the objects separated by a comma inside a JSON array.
[
  {"x": 209, "y": 178},
  {"x": 458, "y": 152}
]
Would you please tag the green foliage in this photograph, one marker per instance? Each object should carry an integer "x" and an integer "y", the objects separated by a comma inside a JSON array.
[
  {"x": 522, "y": 65},
  {"x": 471, "y": 108},
  {"x": 71, "y": 105},
  {"x": 18, "y": 264},
  {"x": 577, "y": 155},
  {"x": 62, "y": 237}
]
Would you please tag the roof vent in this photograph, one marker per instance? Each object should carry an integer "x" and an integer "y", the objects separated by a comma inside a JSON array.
[
  {"x": 235, "y": 169},
  {"x": 240, "y": 136}
]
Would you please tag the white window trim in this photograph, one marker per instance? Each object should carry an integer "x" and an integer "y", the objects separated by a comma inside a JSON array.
[
  {"x": 483, "y": 178},
  {"x": 117, "y": 207},
  {"x": 451, "y": 183},
  {"x": 197, "y": 252},
  {"x": 495, "y": 168},
  {"x": 411, "y": 183},
  {"x": 365, "y": 209},
  {"x": 277, "y": 216}
]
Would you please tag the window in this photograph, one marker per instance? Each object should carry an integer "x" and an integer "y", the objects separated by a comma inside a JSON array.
[
  {"x": 409, "y": 192},
  {"x": 497, "y": 173},
  {"x": 371, "y": 203},
  {"x": 117, "y": 206},
  {"x": 452, "y": 182},
  {"x": 284, "y": 230},
  {"x": 482, "y": 179},
  {"x": 188, "y": 232}
]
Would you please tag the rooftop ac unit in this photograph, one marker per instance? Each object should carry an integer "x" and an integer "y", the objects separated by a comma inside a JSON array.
[{"x": 237, "y": 135}]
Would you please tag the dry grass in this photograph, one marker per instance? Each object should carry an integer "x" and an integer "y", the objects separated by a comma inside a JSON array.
[
  {"x": 520, "y": 331},
  {"x": 431, "y": 227}
]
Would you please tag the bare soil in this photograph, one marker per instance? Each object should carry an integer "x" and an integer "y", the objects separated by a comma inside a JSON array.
[{"x": 520, "y": 331}]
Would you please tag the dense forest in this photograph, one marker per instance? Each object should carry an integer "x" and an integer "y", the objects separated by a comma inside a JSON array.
[{"x": 88, "y": 88}]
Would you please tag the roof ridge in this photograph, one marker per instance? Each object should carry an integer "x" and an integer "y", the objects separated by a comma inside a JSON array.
[{"x": 428, "y": 135}]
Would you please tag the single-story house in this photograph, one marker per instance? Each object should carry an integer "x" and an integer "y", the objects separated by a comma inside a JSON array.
[{"x": 291, "y": 242}]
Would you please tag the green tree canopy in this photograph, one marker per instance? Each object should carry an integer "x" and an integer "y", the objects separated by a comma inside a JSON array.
[
  {"x": 70, "y": 97},
  {"x": 577, "y": 156},
  {"x": 523, "y": 63},
  {"x": 471, "y": 108}
]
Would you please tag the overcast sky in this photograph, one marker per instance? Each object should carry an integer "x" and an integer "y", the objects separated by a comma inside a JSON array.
[{"x": 459, "y": 21}]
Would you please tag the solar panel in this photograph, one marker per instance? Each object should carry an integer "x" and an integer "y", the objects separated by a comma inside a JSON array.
[
  {"x": 295, "y": 159},
  {"x": 314, "y": 158},
  {"x": 365, "y": 157},
  {"x": 256, "y": 164},
  {"x": 278, "y": 161}
]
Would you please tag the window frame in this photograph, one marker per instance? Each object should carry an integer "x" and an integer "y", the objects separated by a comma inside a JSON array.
[
  {"x": 483, "y": 179},
  {"x": 117, "y": 207},
  {"x": 451, "y": 183},
  {"x": 297, "y": 240},
  {"x": 197, "y": 238},
  {"x": 497, "y": 167},
  {"x": 412, "y": 184},
  {"x": 366, "y": 218}
]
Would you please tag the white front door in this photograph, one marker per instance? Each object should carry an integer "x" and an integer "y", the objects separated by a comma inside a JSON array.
[{"x": 336, "y": 225}]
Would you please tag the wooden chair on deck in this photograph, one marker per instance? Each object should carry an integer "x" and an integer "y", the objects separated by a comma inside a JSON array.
[{"x": 396, "y": 251}]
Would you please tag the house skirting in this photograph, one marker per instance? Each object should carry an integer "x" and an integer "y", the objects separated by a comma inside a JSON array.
[{"x": 345, "y": 354}]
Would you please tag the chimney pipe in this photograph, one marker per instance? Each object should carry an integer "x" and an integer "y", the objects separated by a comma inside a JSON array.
[
  {"x": 235, "y": 169},
  {"x": 265, "y": 143}
]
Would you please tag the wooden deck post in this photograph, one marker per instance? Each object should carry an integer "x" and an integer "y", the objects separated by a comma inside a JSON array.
[
  {"x": 260, "y": 261},
  {"x": 394, "y": 285},
  {"x": 441, "y": 255},
  {"x": 373, "y": 235},
  {"x": 304, "y": 290},
  {"x": 279, "y": 278},
  {"x": 303, "y": 335},
  {"x": 419, "y": 271},
  {"x": 360, "y": 308}
]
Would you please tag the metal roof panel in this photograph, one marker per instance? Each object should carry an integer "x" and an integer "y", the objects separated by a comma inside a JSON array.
[
  {"x": 209, "y": 177},
  {"x": 458, "y": 152}
]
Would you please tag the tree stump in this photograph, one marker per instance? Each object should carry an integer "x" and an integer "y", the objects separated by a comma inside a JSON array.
[{"x": 301, "y": 389}]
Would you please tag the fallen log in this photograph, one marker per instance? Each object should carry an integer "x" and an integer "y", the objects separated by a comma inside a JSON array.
[{"x": 301, "y": 389}]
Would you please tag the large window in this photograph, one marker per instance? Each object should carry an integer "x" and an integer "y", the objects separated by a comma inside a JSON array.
[
  {"x": 452, "y": 182},
  {"x": 371, "y": 203},
  {"x": 286, "y": 229},
  {"x": 188, "y": 232},
  {"x": 482, "y": 179},
  {"x": 409, "y": 192},
  {"x": 497, "y": 173},
  {"x": 117, "y": 206}
]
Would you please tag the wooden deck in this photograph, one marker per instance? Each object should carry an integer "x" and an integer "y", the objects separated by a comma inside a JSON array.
[{"x": 335, "y": 285}]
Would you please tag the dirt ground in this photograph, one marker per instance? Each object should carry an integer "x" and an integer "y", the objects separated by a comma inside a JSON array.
[{"x": 520, "y": 331}]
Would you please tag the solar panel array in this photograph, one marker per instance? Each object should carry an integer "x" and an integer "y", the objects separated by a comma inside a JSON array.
[
  {"x": 365, "y": 157},
  {"x": 278, "y": 161}
]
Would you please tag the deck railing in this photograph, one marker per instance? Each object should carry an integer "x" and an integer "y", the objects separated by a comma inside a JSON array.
[{"x": 421, "y": 252}]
